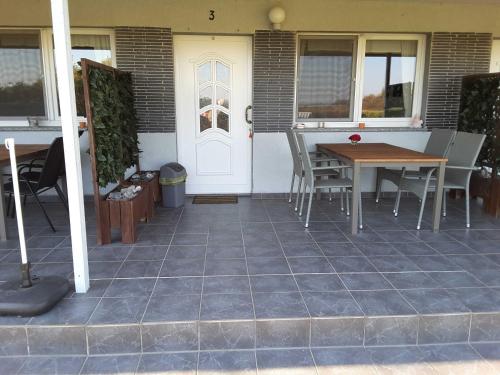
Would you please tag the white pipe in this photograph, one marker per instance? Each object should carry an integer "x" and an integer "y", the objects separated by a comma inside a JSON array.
[
  {"x": 67, "y": 103},
  {"x": 10, "y": 145}
]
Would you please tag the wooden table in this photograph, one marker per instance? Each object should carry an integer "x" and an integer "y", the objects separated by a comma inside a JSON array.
[
  {"x": 23, "y": 153},
  {"x": 383, "y": 155}
]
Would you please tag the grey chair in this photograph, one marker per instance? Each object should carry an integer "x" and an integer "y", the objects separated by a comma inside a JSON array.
[
  {"x": 298, "y": 170},
  {"x": 438, "y": 145},
  {"x": 338, "y": 182},
  {"x": 461, "y": 160}
]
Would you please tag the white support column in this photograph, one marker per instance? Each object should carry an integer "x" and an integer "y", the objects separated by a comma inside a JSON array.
[{"x": 67, "y": 102}]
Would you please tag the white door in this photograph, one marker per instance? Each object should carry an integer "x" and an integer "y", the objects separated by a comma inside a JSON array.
[{"x": 213, "y": 90}]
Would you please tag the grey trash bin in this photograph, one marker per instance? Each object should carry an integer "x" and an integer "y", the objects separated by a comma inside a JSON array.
[{"x": 173, "y": 184}]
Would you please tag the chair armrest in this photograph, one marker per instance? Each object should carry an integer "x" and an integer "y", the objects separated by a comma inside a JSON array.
[
  {"x": 331, "y": 167},
  {"x": 463, "y": 168}
]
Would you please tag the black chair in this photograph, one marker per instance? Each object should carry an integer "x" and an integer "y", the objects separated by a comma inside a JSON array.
[{"x": 32, "y": 183}]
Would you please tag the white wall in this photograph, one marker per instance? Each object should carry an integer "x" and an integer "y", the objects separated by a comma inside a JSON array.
[
  {"x": 272, "y": 161},
  {"x": 158, "y": 149}
]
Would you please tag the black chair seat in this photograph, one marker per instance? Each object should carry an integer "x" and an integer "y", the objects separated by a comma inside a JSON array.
[
  {"x": 31, "y": 175},
  {"x": 23, "y": 188}
]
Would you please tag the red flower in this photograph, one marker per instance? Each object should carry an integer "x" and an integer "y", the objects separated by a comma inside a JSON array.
[{"x": 355, "y": 138}]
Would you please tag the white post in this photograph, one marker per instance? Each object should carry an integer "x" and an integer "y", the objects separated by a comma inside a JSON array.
[{"x": 67, "y": 103}]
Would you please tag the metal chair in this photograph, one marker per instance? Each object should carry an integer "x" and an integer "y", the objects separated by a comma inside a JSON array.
[
  {"x": 438, "y": 144},
  {"x": 340, "y": 182},
  {"x": 298, "y": 170},
  {"x": 461, "y": 159},
  {"x": 47, "y": 179}
]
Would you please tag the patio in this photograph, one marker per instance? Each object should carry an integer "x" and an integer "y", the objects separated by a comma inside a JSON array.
[{"x": 214, "y": 284}]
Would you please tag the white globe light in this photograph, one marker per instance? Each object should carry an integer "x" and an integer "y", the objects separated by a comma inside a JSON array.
[{"x": 276, "y": 16}]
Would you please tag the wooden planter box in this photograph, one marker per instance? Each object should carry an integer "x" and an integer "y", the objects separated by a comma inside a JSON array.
[
  {"x": 152, "y": 191},
  {"x": 126, "y": 214},
  {"x": 488, "y": 190}
]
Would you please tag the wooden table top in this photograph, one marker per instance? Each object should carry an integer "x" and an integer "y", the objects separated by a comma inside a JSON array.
[
  {"x": 377, "y": 153},
  {"x": 23, "y": 152}
]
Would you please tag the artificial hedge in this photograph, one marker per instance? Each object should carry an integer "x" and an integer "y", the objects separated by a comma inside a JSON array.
[
  {"x": 480, "y": 112},
  {"x": 114, "y": 122}
]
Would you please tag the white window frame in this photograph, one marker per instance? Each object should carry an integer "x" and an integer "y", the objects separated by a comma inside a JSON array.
[
  {"x": 52, "y": 117},
  {"x": 358, "y": 65}
]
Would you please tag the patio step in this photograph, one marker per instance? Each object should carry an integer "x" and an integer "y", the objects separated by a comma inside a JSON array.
[{"x": 175, "y": 336}]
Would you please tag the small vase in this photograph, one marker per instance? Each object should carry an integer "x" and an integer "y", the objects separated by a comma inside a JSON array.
[{"x": 354, "y": 143}]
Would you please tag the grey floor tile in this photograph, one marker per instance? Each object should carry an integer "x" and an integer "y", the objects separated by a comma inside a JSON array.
[
  {"x": 478, "y": 299},
  {"x": 329, "y": 236},
  {"x": 227, "y": 362},
  {"x": 68, "y": 311},
  {"x": 225, "y": 267},
  {"x": 109, "y": 254},
  {"x": 455, "y": 279},
  {"x": 119, "y": 310},
  {"x": 226, "y": 284},
  {"x": 189, "y": 239},
  {"x": 52, "y": 365},
  {"x": 400, "y": 360},
  {"x": 291, "y": 361},
  {"x": 365, "y": 281},
  {"x": 279, "y": 305},
  {"x": 383, "y": 302},
  {"x": 177, "y": 286},
  {"x": 182, "y": 267},
  {"x": 319, "y": 283},
  {"x": 397, "y": 263},
  {"x": 130, "y": 288},
  {"x": 171, "y": 363},
  {"x": 173, "y": 308},
  {"x": 264, "y": 250},
  {"x": 432, "y": 301},
  {"x": 434, "y": 263},
  {"x": 271, "y": 266},
  {"x": 273, "y": 283},
  {"x": 329, "y": 304},
  {"x": 332, "y": 249},
  {"x": 455, "y": 359},
  {"x": 415, "y": 248},
  {"x": 147, "y": 253},
  {"x": 123, "y": 364},
  {"x": 411, "y": 280},
  {"x": 310, "y": 265},
  {"x": 186, "y": 252},
  {"x": 225, "y": 252},
  {"x": 302, "y": 250},
  {"x": 11, "y": 365},
  {"x": 139, "y": 269},
  {"x": 226, "y": 307},
  {"x": 351, "y": 264},
  {"x": 377, "y": 248}
]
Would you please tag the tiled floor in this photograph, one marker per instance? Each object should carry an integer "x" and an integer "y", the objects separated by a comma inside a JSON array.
[{"x": 249, "y": 276}]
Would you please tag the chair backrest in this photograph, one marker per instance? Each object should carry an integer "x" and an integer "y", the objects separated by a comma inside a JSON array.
[
  {"x": 54, "y": 164},
  {"x": 306, "y": 161},
  {"x": 439, "y": 142},
  {"x": 292, "y": 141},
  {"x": 463, "y": 153}
]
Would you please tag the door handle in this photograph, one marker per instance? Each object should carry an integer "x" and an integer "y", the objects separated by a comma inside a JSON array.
[{"x": 248, "y": 108}]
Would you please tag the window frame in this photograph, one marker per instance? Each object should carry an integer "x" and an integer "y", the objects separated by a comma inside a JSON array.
[
  {"x": 52, "y": 117},
  {"x": 358, "y": 66}
]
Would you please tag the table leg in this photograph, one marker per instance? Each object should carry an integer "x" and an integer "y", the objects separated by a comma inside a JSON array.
[
  {"x": 438, "y": 197},
  {"x": 356, "y": 190},
  {"x": 3, "y": 231}
]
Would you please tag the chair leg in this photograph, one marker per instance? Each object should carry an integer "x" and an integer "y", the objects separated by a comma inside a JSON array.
[
  {"x": 348, "y": 208},
  {"x": 291, "y": 188},
  {"x": 360, "y": 212},
  {"x": 329, "y": 195},
  {"x": 44, "y": 212},
  {"x": 467, "y": 206},
  {"x": 62, "y": 197},
  {"x": 309, "y": 208},
  {"x": 379, "y": 185},
  {"x": 422, "y": 206},
  {"x": 304, "y": 192},
  {"x": 298, "y": 194},
  {"x": 25, "y": 198},
  {"x": 396, "y": 203},
  {"x": 444, "y": 202},
  {"x": 342, "y": 199}
]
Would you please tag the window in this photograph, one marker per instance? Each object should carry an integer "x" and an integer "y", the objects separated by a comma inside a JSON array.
[
  {"x": 92, "y": 47},
  {"x": 21, "y": 75},
  {"x": 28, "y": 82},
  {"x": 325, "y": 78},
  {"x": 389, "y": 79},
  {"x": 369, "y": 78}
]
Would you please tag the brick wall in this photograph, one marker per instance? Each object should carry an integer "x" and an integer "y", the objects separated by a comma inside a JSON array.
[
  {"x": 273, "y": 80},
  {"x": 452, "y": 55},
  {"x": 148, "y": 53}
]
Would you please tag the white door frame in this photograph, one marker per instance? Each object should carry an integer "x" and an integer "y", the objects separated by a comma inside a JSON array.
[{"x": 179, "y": 136}]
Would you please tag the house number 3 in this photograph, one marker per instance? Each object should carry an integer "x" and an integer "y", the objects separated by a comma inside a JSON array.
[{"x": 211, "y": 15}]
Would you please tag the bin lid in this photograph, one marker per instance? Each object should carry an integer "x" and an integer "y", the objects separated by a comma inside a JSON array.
[{"x": 172, "y": 170}]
